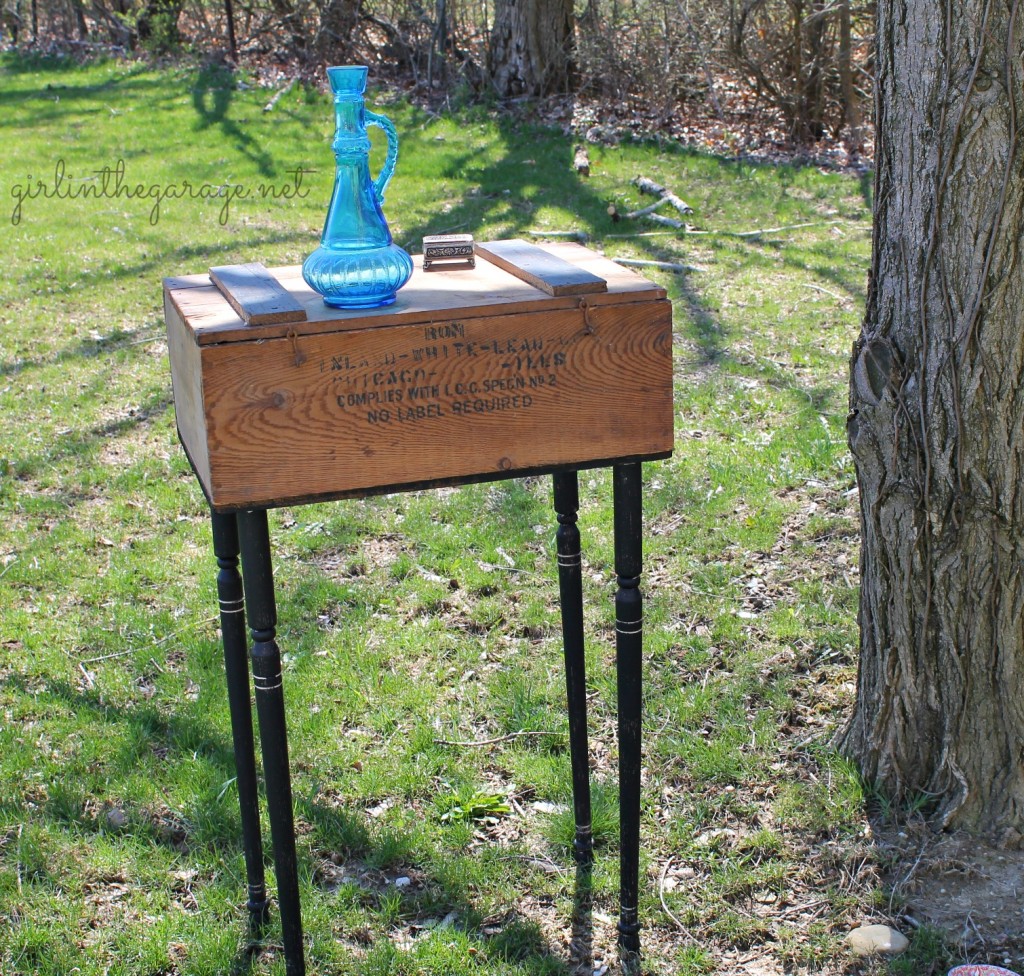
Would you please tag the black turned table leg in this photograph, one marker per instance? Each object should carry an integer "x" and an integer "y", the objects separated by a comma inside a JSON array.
[
  {"x": 258, "y": 580},
  {"x": 570, "y": 582},
  {"x": 236, "y": 668},
  {"x": 629, "y": 646}
]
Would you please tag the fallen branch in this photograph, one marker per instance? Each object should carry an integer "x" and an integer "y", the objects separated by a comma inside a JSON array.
[
  {"x": 152, "y": 338},
  {"x": 825, "y": 291},
  {"x": 681, "y": 205},
  {"x": 665, "y": 221},
  {"x": 646, "y": 212},
  {"x": 665, "y": 908},
  {"x": 645, "y": 185},
  {"x": 639, "y": 233},
  {"x": 780, "y": 230},
  {"x": 667, "y": 196},
  {"x": 633, "y": 214},
  {"x": 281, "y": 92},
  {"x": 765, "y": 230},
  {"x": 577, "y": 235},
  {"x": 663, "y": 265},
  {"x": 490, "y": 742},
  {"x": 544, "y": 863},
  {"x": 125, "y": 651}
]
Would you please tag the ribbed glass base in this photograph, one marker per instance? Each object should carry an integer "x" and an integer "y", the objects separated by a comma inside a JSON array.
[{"x": 352, "y": 278}]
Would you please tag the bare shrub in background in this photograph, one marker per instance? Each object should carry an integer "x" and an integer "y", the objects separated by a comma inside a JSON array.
[
  {"x": 805, "y": 61},
  {"x": 805, "y": 57}
]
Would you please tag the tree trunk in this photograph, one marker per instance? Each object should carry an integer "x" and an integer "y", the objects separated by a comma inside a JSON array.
[
  {"x": 811, "y": 123},
  {"x": 229, "y": 16},
  {"x": 936, "y": 424},
  {"x": 82, "y": 28},
  {"x": 10, "y": 20},
  {"x": 532, "y": 47},
  {"x": 796, "y": 69},
  {"x": 440, "y": 41},
  {"x": 851, "y": 106}
]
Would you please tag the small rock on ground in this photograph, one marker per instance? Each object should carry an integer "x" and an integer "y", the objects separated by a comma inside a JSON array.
[{"x": 870, "y": 939}]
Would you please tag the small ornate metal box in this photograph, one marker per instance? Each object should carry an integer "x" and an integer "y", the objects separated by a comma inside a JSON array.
[{"x": 441, "y": 251}]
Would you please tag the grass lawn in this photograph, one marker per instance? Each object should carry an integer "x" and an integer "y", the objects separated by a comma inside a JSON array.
[{"x": 435, "y": 613}]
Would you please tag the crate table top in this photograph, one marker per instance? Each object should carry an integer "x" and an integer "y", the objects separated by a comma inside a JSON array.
[{"x": 469, "y": 375}]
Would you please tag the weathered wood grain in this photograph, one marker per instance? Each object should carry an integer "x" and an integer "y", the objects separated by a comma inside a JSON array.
[
  {"x": 187, "y": 381},
  {"x": 256, "y": 295},
  {"x": 463, "y": 383},
  {"x": 542, "y": 269},
  {"x": 488, "y": 290},
  {"x": 396, "y": 406}
]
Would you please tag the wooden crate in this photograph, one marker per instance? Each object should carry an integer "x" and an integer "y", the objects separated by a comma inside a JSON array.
[{"x": 470, "y": 375}]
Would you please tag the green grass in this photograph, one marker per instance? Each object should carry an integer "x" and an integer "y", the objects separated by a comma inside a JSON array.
[{"x": 410, "y": 621}]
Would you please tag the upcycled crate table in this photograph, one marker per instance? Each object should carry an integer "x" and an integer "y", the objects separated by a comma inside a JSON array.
[{"x": 472, "y": 375}]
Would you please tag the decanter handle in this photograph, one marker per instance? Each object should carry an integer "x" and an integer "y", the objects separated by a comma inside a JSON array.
[{"x": 388, "y": 169}]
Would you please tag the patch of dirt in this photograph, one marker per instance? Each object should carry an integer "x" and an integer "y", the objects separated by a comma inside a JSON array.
[
  {"x": 108, "y": 901},
  {"x": 381, "y": 551},
  {"x": 968, "y": 888},
  {"x": 334, "y": 871},
  {"x": 169, "y": 827},
  {"x": 756, "y": 964}
]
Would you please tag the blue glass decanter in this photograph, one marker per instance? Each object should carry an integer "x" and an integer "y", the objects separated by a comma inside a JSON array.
[{"x": 357, "y": 265}]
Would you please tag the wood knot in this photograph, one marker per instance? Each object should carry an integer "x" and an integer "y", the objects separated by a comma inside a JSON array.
[
  {"x": 505, "y": 464},
  {"x": 876, "y": 370}
]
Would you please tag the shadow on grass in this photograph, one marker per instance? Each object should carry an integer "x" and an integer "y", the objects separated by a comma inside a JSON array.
[
  {"x": 116, "y": 341},
  {"x": 94, "y": 798},
  {"x": 149, "y": 732},
  {"x": 211, "y": 92},
  {"x": 18, "y": 62},
  {"x": 408, "y": 922},
  {"x": 365, "y": 863},
  {"x": 211, "y": 98},
  {"x": 536, "y": 166},
  {"x": 83, "y": 444},
  {"x": 851, "y": 280},
  {"x": 60, "y": 101},
  {"x": 168, "y": 261}
]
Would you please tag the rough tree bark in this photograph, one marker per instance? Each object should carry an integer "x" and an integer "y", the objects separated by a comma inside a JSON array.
[
  {"x": 936, "y": 425},
  {"x": 532, "y": 48}
]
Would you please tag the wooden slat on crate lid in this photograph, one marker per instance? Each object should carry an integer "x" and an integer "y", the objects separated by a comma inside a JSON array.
[
  {"x": 541, "y": 268},
  {"x": 257, "y": 296}
]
